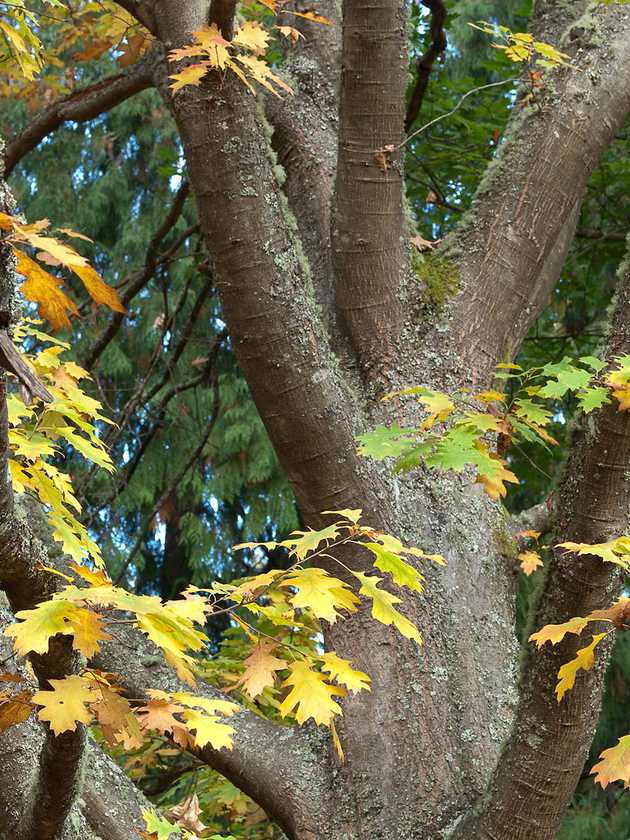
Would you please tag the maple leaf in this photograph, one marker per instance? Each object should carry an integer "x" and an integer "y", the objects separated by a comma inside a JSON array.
[
  {"x": 98, "y": 289},
  {"x": 252, "y": 37},
  {"x": 310, "y": 695},
  {"x": 383, "y": 606},
  {"x": 555, "y": 633},
  {"x": 342, "y": 671},
  {"x": 159, "y": 713},
  {"x": 87, "y": 629},
  {"x": 260, "y": 669},
  {"x": 530, "y": 561},
  {"x": 290, "y": 32},
  {"x": 438, "y": 405},
  {"x": 612, "y": 551},
  {"x": 583, "y": 660},
  {"x": 157, "y": 826},
  {"x": 66, "y": 704},
  {"x": 36, "y": 626},
  {"x": 111, "y": 711},
  {"x": 320, "y": 593},
  {"x": 386, "y": 442},
  {"x": 615, "y": 764}
]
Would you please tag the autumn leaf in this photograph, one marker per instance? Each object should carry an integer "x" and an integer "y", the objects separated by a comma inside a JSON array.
[
  {"x": 36, "y": 626},
  {"x": 14, "y": 709},
  {"x": 45, "y": 290},
  {"x": 310, "y": 695},
  {"x": 342, "y": 671},
  {"x": 320, "y": 593},
  {"x": 383, "y": 606},
  {"x": 583, "y": 661},
  {"x": 530, "y": 561},
  {"x": 187, "y": 813},
  {"x": 208, "y": 729},
  {"x": 615, "y": 764},
  {"x": 251, "y": 36},
  {"x": 98, "y": 289},
  {"x": 555, "y": 633},
  {"x": 66, "y": 704},
  {"x": 260, "y": 669},
  {"x": 402, "y": 572}
]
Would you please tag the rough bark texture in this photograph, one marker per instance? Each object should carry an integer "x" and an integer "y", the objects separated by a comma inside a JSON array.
[{"x": 445, "y": 741}]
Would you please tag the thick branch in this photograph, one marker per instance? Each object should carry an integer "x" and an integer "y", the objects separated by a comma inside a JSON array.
[
  {"x": 263, "y": 279},
  {"x": 81, "y": 105},
  {"x": 305, "y": 137},
  {"x": 426, "y": 61},
  {"x": 550, "y": 740},
  {"x": 525, "y": 209},
  {"x": 279, "y": 767},
  {"x": 368, "y": 216}
]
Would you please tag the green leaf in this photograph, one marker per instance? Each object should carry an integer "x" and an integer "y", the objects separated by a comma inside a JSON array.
[
  {"x": 593, "y": 398},
  {"x": 385, "y": 442},
  {"x": 402, "y": 572}
]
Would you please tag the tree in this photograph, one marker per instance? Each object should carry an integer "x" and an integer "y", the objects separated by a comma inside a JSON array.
[{"x": 318, "y": 290}]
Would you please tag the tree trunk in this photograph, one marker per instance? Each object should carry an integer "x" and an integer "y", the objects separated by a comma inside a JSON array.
[{"x": 323, "y": 326}]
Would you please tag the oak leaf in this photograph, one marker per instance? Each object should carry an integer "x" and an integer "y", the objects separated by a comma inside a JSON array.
[
  {"x": 260, "y": 669},
  {"x": 614, "y": 764},
  {"x": 310, "y": 695},
  {"x": 583, "y": 661}
]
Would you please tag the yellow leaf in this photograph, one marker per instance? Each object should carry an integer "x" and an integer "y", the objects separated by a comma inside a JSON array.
[
  {"x": 583, "y": 661},
  {"x": 252, "y": 37},
  {"x": 320, "y": 593},
  {"x": 342, "y": 671},
  {"x": 66, "y": 704},
  {"x": 383, "y": 606},
  {"x": 290, "y": 32},
  {"x": 44, "y": 289},
  {"x": 191, "y": 75},
  {"x": 613, "y": 551},
  {"x": 88, "y": 631},
  {"x": 311, "y": 16},
  {"x": 36, "y": 626},
  {"x": 310, "y": 695},
  {"x": 208, "y": 729},
  {"x": 555, "y": 633},
  {"x": 494, "y": 484},
  {"x": 438, "y": 405},
  {"x": 98, "y": 289},
  {"x": 530, "y": 561}
]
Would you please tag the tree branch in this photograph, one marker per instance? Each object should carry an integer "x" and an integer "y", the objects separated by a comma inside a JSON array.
[
  {"x": 550, "y": 740},
  {"x": 426, "y": 61},
  {"x": 263, "y": 279},
  {"x": 80, "y": 106},
  {"x": 280, "y": 768},
  {"x": 305, "y": 138},
  {"x": 143, "y": 12},
  {"x": 512, "y": 244},
  {"x": 368, "y": 217}
]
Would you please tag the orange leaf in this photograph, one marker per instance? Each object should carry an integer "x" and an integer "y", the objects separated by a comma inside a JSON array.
[{"x": 44, "y": 289}]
